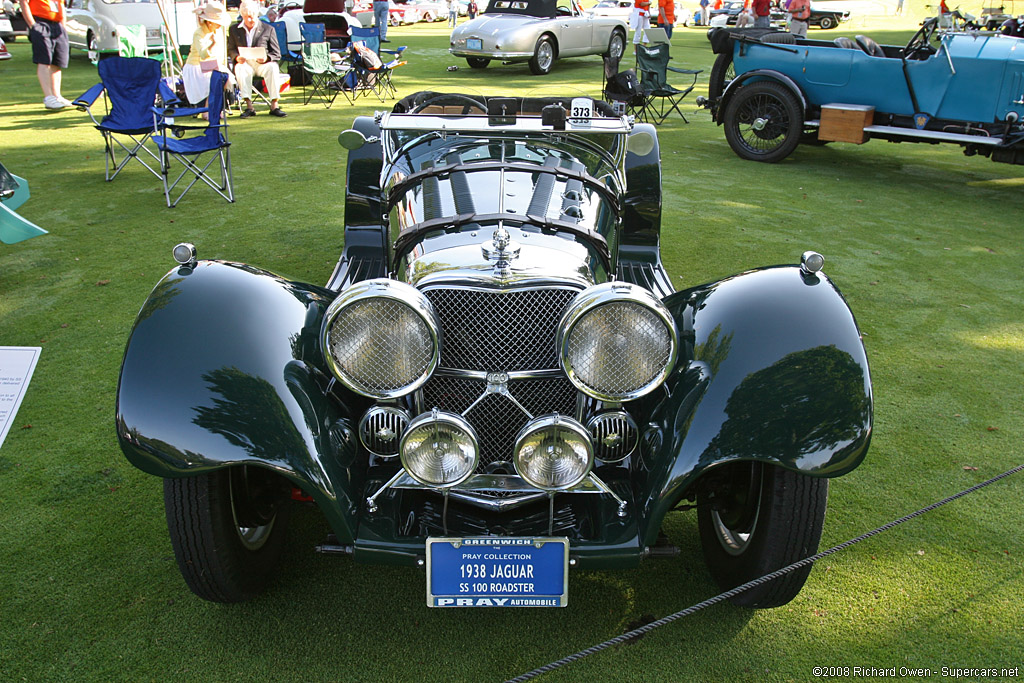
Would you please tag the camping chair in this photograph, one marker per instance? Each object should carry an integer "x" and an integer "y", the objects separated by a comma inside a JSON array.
[
  {"x": 660, "y": 98},
  {"x": 130, "y": 86},
  {"x": 288, "y": 55},
  {"x": 380, "y": 76},
  {"x": 212, "y": 140},
  {"x": 621, "y": 88},
  {"x": 131, "y": 40},
  {"x": 326, "y": 79},
  {"x": 13, "y": 193},
  {"x": 312, "y": 33}
]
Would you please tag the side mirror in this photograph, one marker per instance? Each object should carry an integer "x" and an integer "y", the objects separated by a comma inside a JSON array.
[{"x": 351, "y": 139}]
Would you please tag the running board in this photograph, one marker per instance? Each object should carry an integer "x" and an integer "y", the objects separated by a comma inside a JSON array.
[{"x": 924, "y": 135}]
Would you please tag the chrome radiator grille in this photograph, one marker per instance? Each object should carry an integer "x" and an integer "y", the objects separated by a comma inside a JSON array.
[
  {"x": 496, "y": 419},
  {"x": 499, "y": 331}
]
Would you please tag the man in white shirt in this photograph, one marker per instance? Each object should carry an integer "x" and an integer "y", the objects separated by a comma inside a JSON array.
[{"x": 252, "y": 33}]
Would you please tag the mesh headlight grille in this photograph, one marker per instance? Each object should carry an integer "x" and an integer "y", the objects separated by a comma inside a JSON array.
[
  {"x": 619, "y": 348},
  {"x": 382, "y": 345}
]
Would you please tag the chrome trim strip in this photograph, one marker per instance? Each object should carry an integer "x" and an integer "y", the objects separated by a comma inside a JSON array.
[
  {"x": 509, "y": 483},
  {"x": 553, "y": 373}
]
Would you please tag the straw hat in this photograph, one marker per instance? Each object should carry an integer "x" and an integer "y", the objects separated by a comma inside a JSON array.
[{"x": 214, "y": 13}]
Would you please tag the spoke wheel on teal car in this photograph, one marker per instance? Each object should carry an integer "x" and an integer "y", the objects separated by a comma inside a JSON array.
[
  {"x": 227, "y": 528},
  {"x": 478, "y": 62},
  {"x": 543, "y": 56},
  {"x": 755, "y": 519},
  {"x": 763, "y": 122}
]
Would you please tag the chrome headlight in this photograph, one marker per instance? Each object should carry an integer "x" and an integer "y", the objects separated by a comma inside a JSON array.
[
  {"x": 382, "y": 338},
  {"x": 439, "y": 449},
  {"x": 553, "y": 453},
  {"x": 617, "y": 341}
]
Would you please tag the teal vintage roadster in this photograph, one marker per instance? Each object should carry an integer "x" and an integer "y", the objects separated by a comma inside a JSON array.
[{"x": 498, "y": 383}]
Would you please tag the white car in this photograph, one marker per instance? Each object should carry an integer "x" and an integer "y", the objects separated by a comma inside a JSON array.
[{"x": 92, "y": 24}]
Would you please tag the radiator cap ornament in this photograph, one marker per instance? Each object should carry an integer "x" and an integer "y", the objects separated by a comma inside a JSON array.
[{"x": 502, "y": 250}]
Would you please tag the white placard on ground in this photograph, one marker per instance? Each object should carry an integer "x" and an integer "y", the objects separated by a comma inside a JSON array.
[{"x": 17, "y": 363}]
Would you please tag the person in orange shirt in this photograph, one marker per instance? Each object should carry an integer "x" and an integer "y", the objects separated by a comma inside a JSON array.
[
  {"x": 48, "y": 33},
  {"x": 667, "y": 15},
  {"x": 640, "y": 20}
]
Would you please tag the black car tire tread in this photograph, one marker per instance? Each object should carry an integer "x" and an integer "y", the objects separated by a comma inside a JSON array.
[
  {"x": 794, "y": 125},
  {"x": 792, "y": 514},
  {"x": 720, "y": 74},
  {"x": 213, "y": 561},
  {"x": 477, "y": 62}
]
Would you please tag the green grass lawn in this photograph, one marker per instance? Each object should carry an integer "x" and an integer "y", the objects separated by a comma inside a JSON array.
[{"x": 925, "y": 244}]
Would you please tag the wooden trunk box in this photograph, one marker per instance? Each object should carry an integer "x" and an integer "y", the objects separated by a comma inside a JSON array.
[{"x": 845, "y": 122}]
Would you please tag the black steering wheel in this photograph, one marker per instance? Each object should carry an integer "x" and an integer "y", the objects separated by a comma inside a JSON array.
[
  {"x": 451, "y": 99},
  {"x": 920, "y": 46}
]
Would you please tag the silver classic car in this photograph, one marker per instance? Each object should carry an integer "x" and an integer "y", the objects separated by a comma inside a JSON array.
[{"x": 538, "y": 32}]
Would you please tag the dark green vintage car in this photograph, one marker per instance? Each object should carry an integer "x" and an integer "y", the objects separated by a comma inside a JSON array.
[{"x": 498, "y": 383}]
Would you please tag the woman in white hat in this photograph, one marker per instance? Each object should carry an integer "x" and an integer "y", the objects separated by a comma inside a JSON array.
[{"x": 208, "y": 51}]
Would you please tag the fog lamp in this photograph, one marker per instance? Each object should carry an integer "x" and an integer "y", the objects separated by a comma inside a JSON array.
[
  {"x": 439, "y": 449},
  {"x": 553, "y": 452}
]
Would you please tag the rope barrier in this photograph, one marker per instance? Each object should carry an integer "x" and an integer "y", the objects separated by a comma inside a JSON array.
[{"x": 754, "y": 583}]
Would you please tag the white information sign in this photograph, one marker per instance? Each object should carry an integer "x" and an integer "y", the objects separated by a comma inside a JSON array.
[
  {"x": 581, "y": 111},
  {"x": 17, "y": 363}
]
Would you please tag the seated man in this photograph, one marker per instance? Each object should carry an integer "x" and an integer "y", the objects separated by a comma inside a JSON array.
[{"x": 252, "y": 33}]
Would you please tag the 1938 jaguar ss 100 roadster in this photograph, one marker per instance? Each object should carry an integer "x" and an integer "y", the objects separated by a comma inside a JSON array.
[{"x": 498, "y": 382}]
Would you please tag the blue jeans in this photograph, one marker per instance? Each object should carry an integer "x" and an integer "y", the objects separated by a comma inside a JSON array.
[
  {"x": 759, "y": 22},
  {"x": 380, "y": 17}
]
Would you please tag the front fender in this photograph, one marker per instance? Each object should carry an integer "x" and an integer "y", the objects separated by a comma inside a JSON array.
[
  {"x": 777, "y": 373},
  {"x": 760, "y": 75},
  {"x": 223, "y": 367}
]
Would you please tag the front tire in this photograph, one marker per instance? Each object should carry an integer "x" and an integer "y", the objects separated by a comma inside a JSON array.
[
  {"x": 763, "y": 122},
  {"x": 764, "y": 519},
  {"x": 228, "y": 529},
  {"x": 93, "y": 49},
  {"x": 616, "y": 46},
  {"x": 722, "y": 74},
  {"x": 543, "y": 57}
]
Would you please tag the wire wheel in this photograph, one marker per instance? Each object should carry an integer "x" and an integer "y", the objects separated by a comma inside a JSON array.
[
  {"x": 763, "y": 122},
  {"x": 543, "y": 57}
]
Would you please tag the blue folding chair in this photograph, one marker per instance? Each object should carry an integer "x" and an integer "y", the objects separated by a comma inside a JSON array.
[
  {"x": 375, "y": 79},
  {"x": 312, "y": 33},
  {"x": 130, "y": 86},
  {"x": 212, "y": 140},
  {"x": 288, "y": 55}
]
